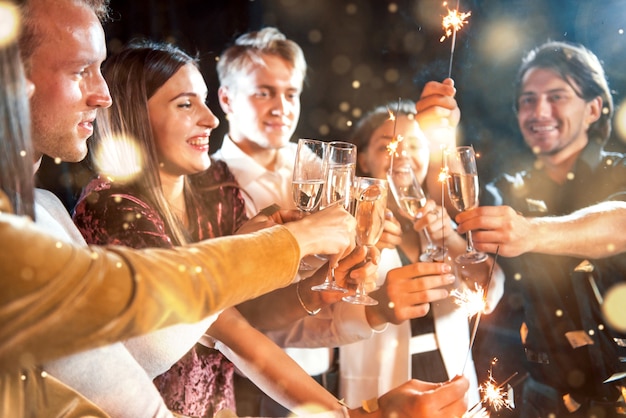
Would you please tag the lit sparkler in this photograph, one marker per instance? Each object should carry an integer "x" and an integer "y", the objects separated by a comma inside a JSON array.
[
  {"x": 477, "y": 411},
  {"x": 470, "y": 300},
  {"x": 392, "y": 147},
  {"x": 496, "y": 395},
  {"x": 452, "y": 23},
  {"x": 443, "y": 179},
  {"x": 474, "y": 302}
]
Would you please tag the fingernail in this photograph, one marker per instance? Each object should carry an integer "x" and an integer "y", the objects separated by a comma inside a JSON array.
[{"x": 450, "y": 278}]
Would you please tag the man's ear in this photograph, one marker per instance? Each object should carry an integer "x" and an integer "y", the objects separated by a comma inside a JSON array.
[
  {"x": 224, "y": 99},
  {"x": 595, "y": 110}
]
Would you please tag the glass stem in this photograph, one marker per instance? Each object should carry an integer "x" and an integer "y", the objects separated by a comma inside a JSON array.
[
  {"x": 469, "y": 243},
  {"x": 430, "y": 245},
  {"x": 330, "y": 277}
]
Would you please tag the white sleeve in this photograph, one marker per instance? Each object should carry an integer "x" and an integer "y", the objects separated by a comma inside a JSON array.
[{"x": 338, "y": 324}]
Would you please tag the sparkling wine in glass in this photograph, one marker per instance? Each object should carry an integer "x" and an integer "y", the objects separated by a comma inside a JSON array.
[
  {"x": 340, "y": 168},
  {"x": 463, "y": 192},
  {"x": 410, "y": 198},
  {"x": 309, "y": 172},
  {"x": 369, "y": 212}
]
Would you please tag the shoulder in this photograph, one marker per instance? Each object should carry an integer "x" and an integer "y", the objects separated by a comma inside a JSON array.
[
  {"x": 217, "y": 173},
  {"x": 48, "y": 200},
  {"x": 506, "y": 180},
  {"x": 102, "y": 195},
  {"x": 500, "y": 189},
  {"x": 613, "y": 158},
  {"x": 110, "y": 205}
]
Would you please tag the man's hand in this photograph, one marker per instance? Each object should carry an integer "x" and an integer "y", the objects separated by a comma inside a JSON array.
[
  {"x": 329, "y": 231},
  {"x": 269, "y": 216},
  {"x": 498, "y": 226}
]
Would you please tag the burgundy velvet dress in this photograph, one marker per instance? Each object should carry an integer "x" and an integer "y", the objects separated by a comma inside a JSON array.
[{"x": 201, "y": 383}]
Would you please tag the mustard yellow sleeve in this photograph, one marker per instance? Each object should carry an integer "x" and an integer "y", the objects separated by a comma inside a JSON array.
[{"x": 57, "y": 298}]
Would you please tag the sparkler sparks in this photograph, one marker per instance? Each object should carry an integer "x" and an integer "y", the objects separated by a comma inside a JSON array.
[
  {"x": 443, "y": 175},
  {"x": 496, "y": 395},
  {"x": 452, "y": 23},
  {"x": 470, "y": 300},
  {"x": 392, "y": 147},
  {"x": 474, "y": 303}
]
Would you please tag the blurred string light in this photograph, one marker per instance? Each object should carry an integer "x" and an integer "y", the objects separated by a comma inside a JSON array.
[{"x": 9, "y": 23}]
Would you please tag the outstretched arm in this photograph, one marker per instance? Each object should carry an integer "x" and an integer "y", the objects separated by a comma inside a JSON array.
[
  {"x": 281, "y": 378},
  {"x": 268, "y": 366},
  {"x": 588, "y": 232}
]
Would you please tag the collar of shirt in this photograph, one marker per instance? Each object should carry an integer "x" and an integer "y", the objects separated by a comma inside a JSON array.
[
  {"x": 592, "y": 154},
  {"x": 262, "y": 185}
]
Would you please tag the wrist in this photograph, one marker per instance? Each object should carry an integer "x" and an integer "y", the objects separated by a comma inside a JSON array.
[
  {"x": 303, "y": 304},
  {"x": 374, "y": 314}
]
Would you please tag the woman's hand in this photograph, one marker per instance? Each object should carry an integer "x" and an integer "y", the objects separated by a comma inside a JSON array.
[
  {"x": 417, "y": 398},
  {"x": 329, "y": 231},
  {"x": 408, "y": 291}
]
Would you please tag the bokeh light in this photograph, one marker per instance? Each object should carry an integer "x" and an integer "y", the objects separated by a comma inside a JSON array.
[
  {"x": 118, "y": 158},
  {"x": 614, "y": 307},
  {"x": 9, "y": 23}
]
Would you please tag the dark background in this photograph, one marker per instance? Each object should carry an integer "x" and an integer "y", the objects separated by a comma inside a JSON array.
[{"x": 391, "y": 48}]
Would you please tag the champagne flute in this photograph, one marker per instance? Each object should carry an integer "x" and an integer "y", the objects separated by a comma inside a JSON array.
[
  {"x": 369, "y": 211},
  {"x": 308, "y": 179},
  {"x": 410, "y": 197},
  {"x": 463, "y": 192},
  {"x": 340, "y": 168}
]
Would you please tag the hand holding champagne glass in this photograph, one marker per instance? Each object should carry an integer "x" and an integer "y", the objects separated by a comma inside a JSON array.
[
  {"x": 308, "y": 179},
  {"x": 308, "y": 174},
  {"x": 463, "y": 192},
  {"x": 340, "y": 168},
  {"x": 369, "y": 212},
  {"x": 410, "y": 198}
]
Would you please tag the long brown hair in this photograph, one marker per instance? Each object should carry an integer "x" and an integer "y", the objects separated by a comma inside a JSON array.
[
  {"x": 16, "y": 155},
  {"x": 134, "y": 74}
]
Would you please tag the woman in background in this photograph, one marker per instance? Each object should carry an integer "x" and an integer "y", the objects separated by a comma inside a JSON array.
[{"x": 432, "y": 346}]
